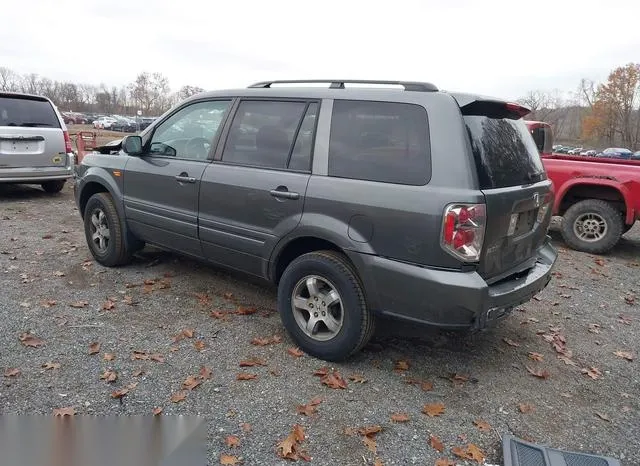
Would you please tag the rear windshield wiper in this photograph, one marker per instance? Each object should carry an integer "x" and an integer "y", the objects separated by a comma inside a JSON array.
[{"x": 34, "y": 124}]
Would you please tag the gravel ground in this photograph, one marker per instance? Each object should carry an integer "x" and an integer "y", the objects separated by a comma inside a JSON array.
[{"x": 46, "y": 267}]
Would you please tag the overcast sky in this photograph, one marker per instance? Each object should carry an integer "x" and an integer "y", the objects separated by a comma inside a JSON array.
[{"x": 495, "y": 47}]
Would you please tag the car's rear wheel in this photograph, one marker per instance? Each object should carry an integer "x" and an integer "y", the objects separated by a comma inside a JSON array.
[
  {"x": 104, "y": 233},
  {"x": 592, "y": 225},
  {"x": 322, "y": 305},
  {"x": 54, "y": 186}
]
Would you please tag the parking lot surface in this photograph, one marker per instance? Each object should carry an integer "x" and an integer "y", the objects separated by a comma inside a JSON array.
[{"x": 170, "y": 333}]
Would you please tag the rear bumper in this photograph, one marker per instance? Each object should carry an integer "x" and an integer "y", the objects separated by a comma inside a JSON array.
[
  {"x": 449, "y": 299},
  {"x": 37, "y": 174}
]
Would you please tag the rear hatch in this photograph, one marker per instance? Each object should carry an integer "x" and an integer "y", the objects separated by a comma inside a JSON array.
[
  {"x": 30, "y": 133},
  {"x": 514, "y": 183}
]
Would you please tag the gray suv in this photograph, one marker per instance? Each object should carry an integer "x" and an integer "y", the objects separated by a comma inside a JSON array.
[
  {"x": 409, "y": 202},
  {"x": 35, "y": 147}
]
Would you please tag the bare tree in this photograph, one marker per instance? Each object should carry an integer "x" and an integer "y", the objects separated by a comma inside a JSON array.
[{"x": 9, "y": 81}]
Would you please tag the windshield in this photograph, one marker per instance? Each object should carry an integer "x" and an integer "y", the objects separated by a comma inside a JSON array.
[
  {"x": 27, "y": 112},
  {"x": 504, "y": 151}
]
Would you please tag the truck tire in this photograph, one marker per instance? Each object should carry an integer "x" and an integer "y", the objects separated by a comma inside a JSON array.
[
  {"x": 104, "y": 233},
  {"x": 592, "y": 226},
  {"x": 53, "y": 187},
  {"x": 322, "y": 306}
]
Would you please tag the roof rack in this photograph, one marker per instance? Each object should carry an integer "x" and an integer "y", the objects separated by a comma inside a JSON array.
[{"x": 339, "y": 83}]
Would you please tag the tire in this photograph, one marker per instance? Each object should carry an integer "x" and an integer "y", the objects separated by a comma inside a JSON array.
[
  {"x": 53, "y": 187},
  {"x": 611, "y": 226},
  {"x": 116, "y": 250},
  {"x": 329, "y": 269}
]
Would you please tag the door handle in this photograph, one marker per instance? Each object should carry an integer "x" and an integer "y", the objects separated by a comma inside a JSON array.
[
  {"x": 281, "y": 192},
  {"x": 184, "y": 178}
]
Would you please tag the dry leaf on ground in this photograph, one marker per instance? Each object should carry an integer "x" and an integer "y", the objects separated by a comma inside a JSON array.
[
  {"x": 205, "y": 372},
  {"x": 310, "y": 408},
  {"x": 108, "y": 357},
  {"x": 535, "y": 356},
  {"x": 400, "y": 417},
  {"x": 357, "y": 378},
  {"x": 191, "y": 382},
  {"x": 94, "y": 348},
  {"x": 624, "y": 355},
  {"x": 539, "y": 373},
  {"x": 433, "y": 409},
  {"x": 295, "y": 352},
  {"x": 120, "y": 393},
  {"x": 51, "y": 365},
  {"x": 445, "y": 462},
  {"x": 108, "y": 305},
  {"x": 232, "y": 441},
  {"x": 289, "y": 448},
  {"x": 199, "y": 345},
  {"x": 156, "y": 411},
  {"x": 246, "y": 376},
  {"x": 253, "y": 362},
  {"x": 526, "y": 408},
  {"x": 334, "y": 380},
  {"x": 603, "y": 416},
  {"x": 12, "y": 372},
  {"x": 510, "y": 342},
  {"x": 178, "y": 396},
  {"x": 109, "y": 376},
  {"x": 483, "y": 426},
  {"x": 62, "y": 412},
  {"x": 401, "y": 365},
  {"x": 30, "y": 340},
  {"x": 229, "y": 460},
  {"x": 436, "y": 443},
  {"x": 592, "y": 372},
  {"x": 471, "y": 452},
  {"x": 79, "y": 304}
]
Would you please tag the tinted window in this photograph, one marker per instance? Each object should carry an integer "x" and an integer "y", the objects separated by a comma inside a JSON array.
[
  {"x": 302, "y": 149},
  {"x": 379, "y": 141},
  {"x": 190, "y": 132},
  {"x": 262, "y": 133},
  {"x": 542, "y": 137},
  {"x": 27, "y": 112},
  {"x": 504, "y": 152}
]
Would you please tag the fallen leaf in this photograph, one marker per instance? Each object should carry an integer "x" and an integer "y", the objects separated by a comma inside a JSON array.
[
  {"x": 157, "y": 411},
  {"x": 594, "y": 328},
  {"x": 426, "y": 386},
  {"x": 49, "y": 303},
  {"x": 120, "y": 393},
  {"x": 321, "y": 372},
  {"x": 58, "y": 273},
  {"x": 232, "y": 441},
  {"x": 246, "y": 376},
  {"x": 599, "y": 261},
  {"x": 436, "y": 443},
  {"x": 51, "y": 365},
  {"x": 79, "y": 304},
  {"x": 108, "y": 356},
  {"x": 289, "y": 447},
  {"x": 310, "y": 408},
  {"x": 401, "y": 366},
  {"x": 540, "y": 373},
  {"x": 471, "y": 452},
  {"x": 260, "y": 341},
  {"x": 178, "y": 396},
  {"x": 445, "y": 462},
  {"x": 568, "y": 361},
  {"x": 630, "y": 300},
  {"x": 624, "y": 319},
  {"x": 334, "y": 380},
  {"x": 458, "y": 379},
  {"x": 592, "y": 372},
  {"x": 433, "y": 409},
  {"x": 12, "y": 372},
  {"x": 137, "y": 373},
  {"x": 205, "y": 372},
  {"x": 526, "y": 408},
  {"x": 186, "y": 333},
  {"x": 62, "y": 412},
  {"x": 253, "y": 362},
  {"x": 132, "y": 385},
  {"x": 157, "y": 357},
  {"x": 164, "y": 284},
  {"x": 295, "y": 352},
  {"x": 603, "y": 416},
  {"x": 218, "y": 314},
  {"x": 191, "y": 382},
  {"x": 624, "y": 355},
  {"x": 94, "y": 348},
  {"x": 128, "y": 300},
  {"x": 482, "y": 426},
  {"x": 245, "y": 311},
  {"x": 400, "y": 417},
  {"x": 378, "y": 462},
  {"x": 370, "y": 443},
  {"x": 535, "y": 356},
  {"x": 108, "y": 305},
  {"x": 357, "y": 378},
  {"x": 228, "y": 460},
  {"x": 109, "y": 376},
  {"x": 199, "y": 345},
  {"x": 203, "y": 299},
  {"x": 510, "y": 342},
  {"x": 28, "y": 339},
  {"x": 246, "y": 427}
]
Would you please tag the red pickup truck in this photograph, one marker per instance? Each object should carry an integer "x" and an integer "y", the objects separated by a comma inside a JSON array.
[{"x": 598, "y": 198}]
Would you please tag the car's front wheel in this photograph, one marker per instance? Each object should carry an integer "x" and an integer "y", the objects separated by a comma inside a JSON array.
[
  {"x": 104, "y": 233},
  {"x": 54, "y": 186},
  {"x": 592, "y": 226},
  {"x": 322, "y": 305}
]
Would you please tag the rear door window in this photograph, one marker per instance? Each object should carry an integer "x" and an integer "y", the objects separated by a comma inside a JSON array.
[
  {"x": 27, "y": 112},
  {"x": 379, "y": 141},
  {"x": 505, "y": 154}
]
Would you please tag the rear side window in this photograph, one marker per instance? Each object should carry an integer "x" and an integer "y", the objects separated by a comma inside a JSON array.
[
  {"x": 27, "y": 113},
  {"x": 542, "y": 136},
  {"x": 505, "y": 154},
  {"x": 379, "y": 141},
  {"x": 263, "y": 132}
]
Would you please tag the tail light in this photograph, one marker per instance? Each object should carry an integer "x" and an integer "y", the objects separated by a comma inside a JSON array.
[
  {"x": 67, "y": 143},
  {"x": 463, "y": 230},
  {"x": 544, "y": 207}
]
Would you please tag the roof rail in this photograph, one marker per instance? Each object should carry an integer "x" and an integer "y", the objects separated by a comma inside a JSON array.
[{"x": 339, "y": 83}]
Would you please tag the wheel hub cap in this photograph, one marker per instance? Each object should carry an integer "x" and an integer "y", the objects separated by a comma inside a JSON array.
[
  {"x": 590, "y": 227},
  {"x": 317, "y": 308},
  {"x": 100, "y": 234}
]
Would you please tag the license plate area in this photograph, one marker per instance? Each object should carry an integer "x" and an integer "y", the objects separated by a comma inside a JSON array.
[{"x": 16, "y": 146}]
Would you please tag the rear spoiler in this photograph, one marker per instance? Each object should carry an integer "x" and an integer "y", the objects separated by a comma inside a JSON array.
[{"x": 475, "y": 105}]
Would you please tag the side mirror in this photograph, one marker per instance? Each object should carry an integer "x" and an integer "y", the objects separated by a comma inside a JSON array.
[{"x": 132, "y": 145}]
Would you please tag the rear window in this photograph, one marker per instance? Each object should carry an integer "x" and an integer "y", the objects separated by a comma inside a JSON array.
[
  {"x": 379, "y": 141},
  {"x": 27, "y": 112},
  {"x": 504, "y": 152}
]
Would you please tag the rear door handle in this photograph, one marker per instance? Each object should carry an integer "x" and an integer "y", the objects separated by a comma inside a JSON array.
[
  {"x": 183, "y": 178},
  {"x": 281, "y": 192}
]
